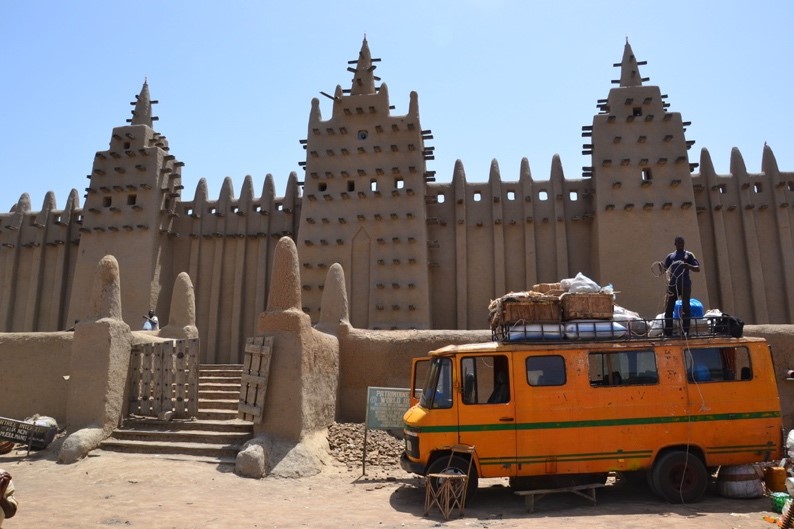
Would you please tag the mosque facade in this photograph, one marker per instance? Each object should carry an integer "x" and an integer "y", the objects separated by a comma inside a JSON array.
[{"x": 417, "y": 253}]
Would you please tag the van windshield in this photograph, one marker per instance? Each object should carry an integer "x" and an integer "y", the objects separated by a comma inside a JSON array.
[{"x": 437, "y": 391}]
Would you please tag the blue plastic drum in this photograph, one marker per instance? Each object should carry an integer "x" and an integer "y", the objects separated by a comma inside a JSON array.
[{"x": 695, "y": 309}]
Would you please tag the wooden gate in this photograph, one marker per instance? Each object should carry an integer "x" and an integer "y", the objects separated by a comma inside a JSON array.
[
  {"x": 164, "y": 377},
  {"x": 256, "y": 370}
]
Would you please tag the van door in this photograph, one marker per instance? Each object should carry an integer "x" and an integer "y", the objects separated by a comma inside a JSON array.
[
  {"x": 547, "y": 404},
  {"x": 487, "y": 412}
]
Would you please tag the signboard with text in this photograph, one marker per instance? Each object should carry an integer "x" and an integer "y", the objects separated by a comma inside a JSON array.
[
  {"x": 386, "y": 407},
  {"x": 38, "y": 436}
]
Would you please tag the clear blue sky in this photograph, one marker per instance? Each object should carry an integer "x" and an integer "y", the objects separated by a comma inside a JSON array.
[{"x": 496, "y": 80}]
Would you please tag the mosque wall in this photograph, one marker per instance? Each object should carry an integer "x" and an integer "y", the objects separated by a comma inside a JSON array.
[
  {"x": 38, "y": 251},
  {"x": 32, "y": 370},
  {"x": 745, "y": 223},
  {"x": 484, "y": 239},
  {"x": 501, "y": 236},
  {"x": 226, "y": 246}
]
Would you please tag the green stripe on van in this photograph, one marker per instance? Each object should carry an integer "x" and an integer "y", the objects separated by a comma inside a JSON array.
[
  {"x": 649, "y": 420},
  {"x": 633, "y": 421},
  {"x": 744, "y": 449},
  {"x": 605, "y": 456},
  {"x": 542, "y": 458}
]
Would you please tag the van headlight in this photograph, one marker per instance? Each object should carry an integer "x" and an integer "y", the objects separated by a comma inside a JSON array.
[{"x": 412, "y": 444}]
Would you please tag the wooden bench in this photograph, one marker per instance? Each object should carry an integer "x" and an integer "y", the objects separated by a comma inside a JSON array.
[{"x": 585, "y": 491}]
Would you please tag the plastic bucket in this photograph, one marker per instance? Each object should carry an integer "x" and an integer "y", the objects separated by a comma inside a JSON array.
[{"x": 739, "y": 481}]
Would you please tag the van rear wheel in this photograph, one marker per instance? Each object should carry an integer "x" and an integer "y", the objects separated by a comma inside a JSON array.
[
  {"x": 680, "y": 477},
  {"x": 456, "y": 465}
]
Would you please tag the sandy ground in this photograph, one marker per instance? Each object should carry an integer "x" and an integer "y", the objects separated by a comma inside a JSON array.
[{"x": 111, "y": 490}]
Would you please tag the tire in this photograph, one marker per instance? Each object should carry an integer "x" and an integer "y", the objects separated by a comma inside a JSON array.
[
  {"x": 6, "y": 447},
  {"x": 457, "y": 465},
  {"x": 680, "y": 477}
]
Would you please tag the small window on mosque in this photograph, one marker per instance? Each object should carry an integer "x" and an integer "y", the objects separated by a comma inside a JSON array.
[
  {"x": 399, "y": 183},
  {"x": 322, "y": 186},
  {"x": 511, "y": 195},
  {"x": 440, "y": 198},
  {"x": 757, "y": 188},
  {"x": 637, "y": 111},
  {"x": 107, "y": 201},
  {"x": 646, "y": 175},
  {"x": 543, "y": 195},
  {"x": 351, "y": 185},
  {"x": 373, "y": 185},
  {"x": 573, "y": 196},
  {"x": 362, "y": 134},
  {"x": 477, "y": 196},
  {"x": 126, "y": 145},
  {"x": 132, "y": 199}
]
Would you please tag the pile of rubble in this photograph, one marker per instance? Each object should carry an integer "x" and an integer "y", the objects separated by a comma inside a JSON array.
[{"x": 347, "y": 444}]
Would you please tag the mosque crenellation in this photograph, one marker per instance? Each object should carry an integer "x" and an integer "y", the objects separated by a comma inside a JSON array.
[{"x": 417, "y": 253}]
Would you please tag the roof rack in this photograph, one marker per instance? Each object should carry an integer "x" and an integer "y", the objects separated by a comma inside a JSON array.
[{"x": 614, "y": 330}]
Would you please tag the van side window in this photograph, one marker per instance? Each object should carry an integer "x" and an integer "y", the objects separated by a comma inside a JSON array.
[
  {"x": 718, "y": 364},
  {"x": 623, "y": 368},
  {"x": 546, "y": 371},
  {"x": 486, "y": 379}
]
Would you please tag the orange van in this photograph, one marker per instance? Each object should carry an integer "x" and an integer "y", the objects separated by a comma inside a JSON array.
[{"x": 670, "y": 411}]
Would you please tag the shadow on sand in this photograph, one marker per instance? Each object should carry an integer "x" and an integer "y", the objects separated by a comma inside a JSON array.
[{"x": 497, "y": 501}]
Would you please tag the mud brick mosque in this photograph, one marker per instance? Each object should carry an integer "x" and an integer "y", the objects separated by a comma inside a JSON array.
[{"x": 417, "y": 253}]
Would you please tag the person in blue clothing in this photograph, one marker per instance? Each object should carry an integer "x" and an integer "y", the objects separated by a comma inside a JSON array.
[{"x": 678, "y": 264}]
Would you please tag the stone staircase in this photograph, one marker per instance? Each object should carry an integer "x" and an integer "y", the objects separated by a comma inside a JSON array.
[{"x": 215, "y": 435}]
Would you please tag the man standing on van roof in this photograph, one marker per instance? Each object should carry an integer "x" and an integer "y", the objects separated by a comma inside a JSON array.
[{"x": 678, "y": 265}]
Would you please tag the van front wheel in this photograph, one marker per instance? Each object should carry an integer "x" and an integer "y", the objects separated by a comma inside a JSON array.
[
  {"x": 456, "y": 465},
  {"x": 680, "y": 477}
]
